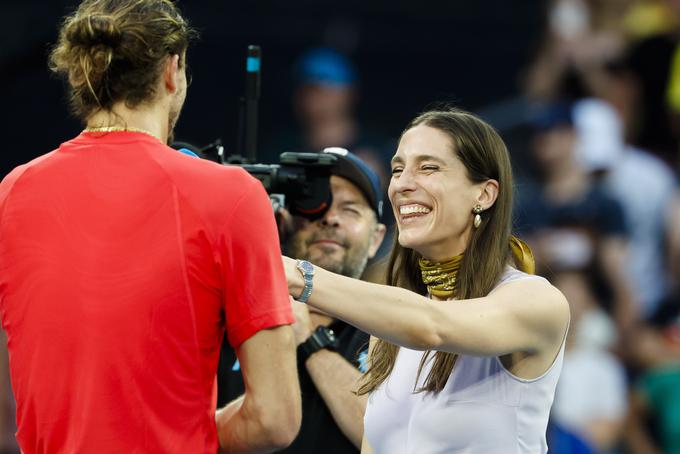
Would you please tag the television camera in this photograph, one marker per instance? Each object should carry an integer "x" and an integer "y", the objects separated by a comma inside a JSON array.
[{"x": 299, "y": 182}]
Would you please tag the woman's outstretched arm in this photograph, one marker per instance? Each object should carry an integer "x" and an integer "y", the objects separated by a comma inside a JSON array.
[{"x": 521, "y": 316}]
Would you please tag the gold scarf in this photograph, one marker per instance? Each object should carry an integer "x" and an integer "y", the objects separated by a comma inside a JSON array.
[
  {"x": 524, "y": 258},
  {"x": 440, "y": 277}
]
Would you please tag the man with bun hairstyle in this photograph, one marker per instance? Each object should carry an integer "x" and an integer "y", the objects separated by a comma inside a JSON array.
[{"x": 123, "y": 262}]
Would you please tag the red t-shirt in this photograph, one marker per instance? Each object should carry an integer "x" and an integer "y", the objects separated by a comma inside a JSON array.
[{"x": 121, "y": 263}]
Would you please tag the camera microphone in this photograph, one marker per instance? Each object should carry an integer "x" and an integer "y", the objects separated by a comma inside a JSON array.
[{"x": 247, "y": 133}]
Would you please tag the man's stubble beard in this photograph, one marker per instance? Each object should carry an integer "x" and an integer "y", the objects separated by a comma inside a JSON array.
[
  {"x": 172, "y": 121},
  {"x": 173, "y": 115},
  {"x": 351, "y": 265}
]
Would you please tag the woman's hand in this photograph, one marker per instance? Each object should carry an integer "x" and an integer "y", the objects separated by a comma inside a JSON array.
[{"x": 293, "y": 276}]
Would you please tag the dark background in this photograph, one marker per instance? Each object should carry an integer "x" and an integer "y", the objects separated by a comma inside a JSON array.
[{"x": 408, "y": 54}]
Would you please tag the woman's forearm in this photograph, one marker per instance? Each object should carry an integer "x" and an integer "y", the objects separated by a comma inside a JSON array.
[
  {"x": 391, "y": 313},
  {"x": 521, "y": 316}
]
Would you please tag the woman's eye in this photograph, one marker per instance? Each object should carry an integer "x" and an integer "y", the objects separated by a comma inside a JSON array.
[
  {"x": 430, "y": 168},
  {"x": 396, "y": 170}
]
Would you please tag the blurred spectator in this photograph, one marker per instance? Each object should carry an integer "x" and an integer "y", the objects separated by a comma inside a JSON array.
[
  {"x": 561, "y": 441},
  {"x": 590, "y": 400},
  {"x": 621, "y": 51},
  {"x": 673, "y": 243},
  {"x": 581, "y": 37},
  {"x": 647, "y": 18},
  {"x": 653, "y": 425},
  {"x": 325, "y": 99},
  {"x": 569, "y": 220},
  {"x": 646, "y": 203},
  {"x": 324, "y": 103},
  {"x": 654, "y": 62}
]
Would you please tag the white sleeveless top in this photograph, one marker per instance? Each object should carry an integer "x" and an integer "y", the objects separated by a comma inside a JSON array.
[{"x": 483, "y": 408}]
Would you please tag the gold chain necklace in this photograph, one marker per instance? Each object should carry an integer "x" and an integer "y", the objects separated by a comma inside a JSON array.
[{"x": 120, "y": 129}]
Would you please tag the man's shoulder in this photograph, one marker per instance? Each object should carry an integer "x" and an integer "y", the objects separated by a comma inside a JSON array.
[
  {"x": 15, "y": 175},
  {"x": 198, "y": 172},
  {"x": 208, "y": 186}
]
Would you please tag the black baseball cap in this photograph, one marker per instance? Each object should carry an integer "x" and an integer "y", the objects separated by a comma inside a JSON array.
[{"x": 349, "y": 166}]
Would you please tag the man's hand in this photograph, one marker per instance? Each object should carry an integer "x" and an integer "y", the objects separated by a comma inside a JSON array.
[
  {"x": 303, "y": 325},
  {"x": 267, "y": 418}
]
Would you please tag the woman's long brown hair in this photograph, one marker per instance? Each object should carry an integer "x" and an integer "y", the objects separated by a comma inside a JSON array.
[{"x": 485, "y": 156}]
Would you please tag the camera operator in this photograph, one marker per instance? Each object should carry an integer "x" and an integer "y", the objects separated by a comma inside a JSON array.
[
  {"x": 330, "y": 352},
  {"x": 123, "y": 261}
]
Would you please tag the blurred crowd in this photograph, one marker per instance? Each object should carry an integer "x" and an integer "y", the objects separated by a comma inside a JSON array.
[
  {"x": 597, "y": 200},
  {"x": 600, "y": 208}
]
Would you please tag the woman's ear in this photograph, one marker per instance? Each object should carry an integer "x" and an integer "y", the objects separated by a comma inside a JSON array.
[{"x": 488, "y": 193}]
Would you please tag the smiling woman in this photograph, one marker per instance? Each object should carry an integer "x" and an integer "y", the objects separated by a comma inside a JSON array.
[
  {"x": 430, "y": 184},
  {"x": 468, "y": 338}
]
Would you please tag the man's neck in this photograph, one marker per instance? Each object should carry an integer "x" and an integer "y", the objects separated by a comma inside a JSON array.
[{"x": 152, "y": 119}]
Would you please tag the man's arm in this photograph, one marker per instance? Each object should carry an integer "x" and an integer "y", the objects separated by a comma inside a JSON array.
[
  {"x": 267, "y": 417},
  {"x": 336, "y": 379}
]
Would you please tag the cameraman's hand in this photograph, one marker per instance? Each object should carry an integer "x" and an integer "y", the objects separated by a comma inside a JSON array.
[
  {"x": 285, "y": 223},
  {"x": 288, "y": 224},
  {"x": 303, "y": 325}
]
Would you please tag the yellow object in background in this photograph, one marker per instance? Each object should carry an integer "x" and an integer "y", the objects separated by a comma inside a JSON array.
[
  {"x": 673, "y": 88},
  {"x": 647, "y": 18}
]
